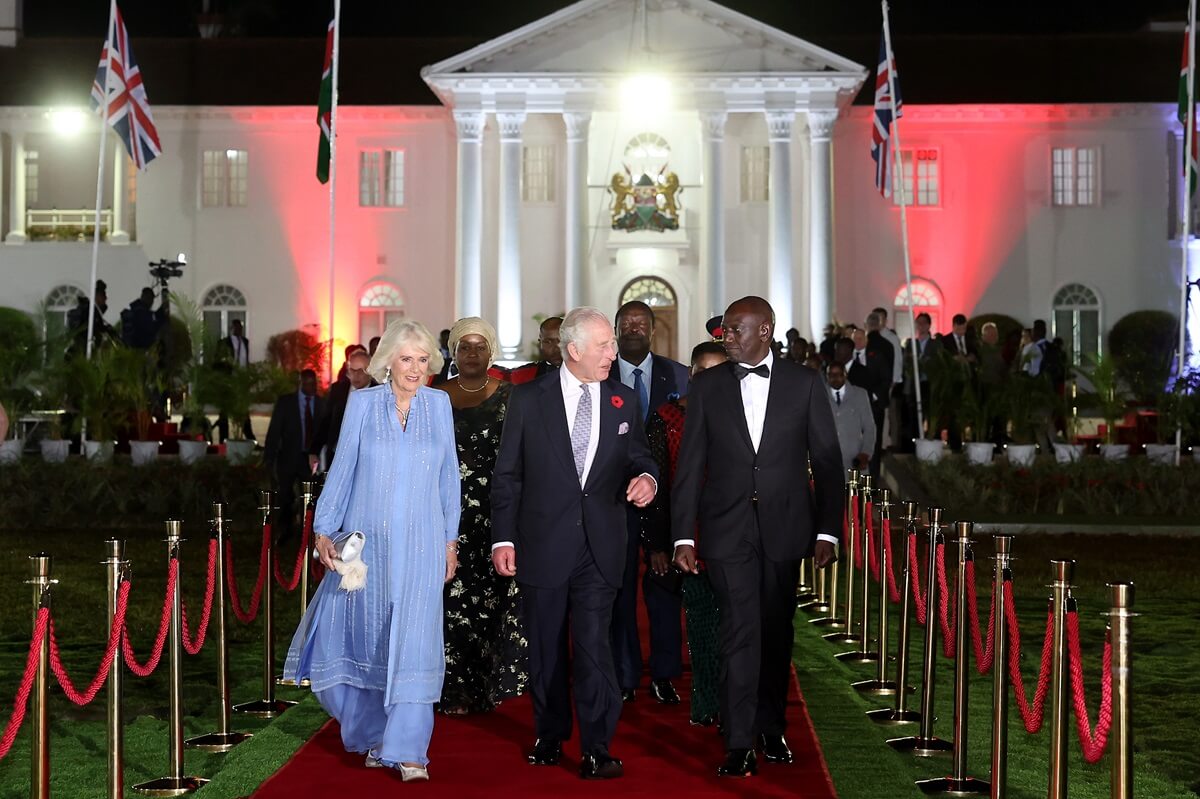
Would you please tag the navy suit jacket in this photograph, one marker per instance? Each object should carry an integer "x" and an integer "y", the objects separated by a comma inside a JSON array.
[{"x": 537, "y": 502}]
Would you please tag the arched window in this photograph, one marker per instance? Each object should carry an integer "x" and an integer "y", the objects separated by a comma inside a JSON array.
[
  {"x": 223, "y": 304},
  {"x": 659, "y": 295},
  {"x": 1077, "y": 321},
  {"x": 380, "y": 305},
  {"x": 926, "y": 298},
  {"x": 59, "y": 302}
]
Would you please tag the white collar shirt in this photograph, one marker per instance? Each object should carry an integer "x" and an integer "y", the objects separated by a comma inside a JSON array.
[
  {"x": 755, "y": 391},
  {"x": 240, "y": 355},
  {"x": 572, "y": 390}
]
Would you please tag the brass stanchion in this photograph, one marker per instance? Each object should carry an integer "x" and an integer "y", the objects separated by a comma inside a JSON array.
[
  {"x": 864, "y": 654},
  {"x": 925, "y": 743},
  {"x": 1060, "y": 690},
  {"x": 819, "y": 602},
  {"x": 1002, "y": 576},
  {"x": 804, "y": 589},
  {"x": 1121, "y": 737},
  {"x": 958, "y": 783},
  {"x": 268, "y": 707},
  {"x": 899, "y": 713},
  {"x": 175, "y": 783},
  {"x": 309, "y": 493},
  {"x": 834, "y": 620},
  {"x": 116, "y": 569},
  {"x": 881, "y": 685},
  {"x": 39, "y": 711},
  {"x": 223, "y": 739}
]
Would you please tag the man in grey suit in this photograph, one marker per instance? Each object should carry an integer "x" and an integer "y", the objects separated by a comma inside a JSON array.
[{"x": 852, "y": 414}]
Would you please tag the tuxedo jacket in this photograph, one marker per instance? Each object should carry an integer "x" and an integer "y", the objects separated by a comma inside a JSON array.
[
  {"x": 725, "y": 493},
  {"x": 667, "y": 377},
  {"x": 329, "y": 423},
  {"x": 284, "y": 449},
  {"x": 225, "y": 348},
  {"x": 537, "y": 501}
]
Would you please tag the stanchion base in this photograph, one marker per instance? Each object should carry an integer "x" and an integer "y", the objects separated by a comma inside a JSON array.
[
  {"x": 262, "y": 709},
  {"x": 218, "y": 741},
  {"x": 857, "y": 656},
  {"x": 878, "y": 687},
  {"x": 829, "y": 621},
  {"x": 170, "y": 786},
  {"x": 814, "y": 605},
  {"x": 890, "y": 717},
  {"x": 292, "y": 683},
  {"x": 804, "y": 595},
  {"x": 949, "y": 786},
  {"x": 844, "y": 637},
  {"x": 921, "y": 747}
]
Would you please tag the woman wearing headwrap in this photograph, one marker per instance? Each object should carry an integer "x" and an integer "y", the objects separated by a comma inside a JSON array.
[{"x": 486, "y": 650}]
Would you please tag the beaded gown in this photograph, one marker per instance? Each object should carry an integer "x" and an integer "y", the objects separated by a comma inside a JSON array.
[
  {"x": 487, "y": 657},
  {"x": 375, "y": 656}
]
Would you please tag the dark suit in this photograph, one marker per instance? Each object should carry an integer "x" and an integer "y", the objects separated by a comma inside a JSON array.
[
  {"x": 329, "y": 424},
  {"x": 753, "y": 521},
  {"x": 286, "y": 454},
  {"x": 881, "y": 357},
  {"x": 570, "y": 547},
  {"x": 663, "y": 596}
]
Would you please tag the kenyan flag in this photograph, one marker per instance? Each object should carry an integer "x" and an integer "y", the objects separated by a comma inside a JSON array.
[{"x": 324, "y": 108}]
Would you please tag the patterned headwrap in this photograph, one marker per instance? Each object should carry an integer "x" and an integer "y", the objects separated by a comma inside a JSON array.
[{"x": 473, "y": 326}]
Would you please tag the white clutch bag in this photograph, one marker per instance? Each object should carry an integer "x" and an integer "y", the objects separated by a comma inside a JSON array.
[{"x": 349, "y": 563}]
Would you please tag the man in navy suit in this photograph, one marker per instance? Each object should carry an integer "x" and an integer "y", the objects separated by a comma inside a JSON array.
[
  {"x": 653, "y": 379},
  {"x": 572, "y": 457}
]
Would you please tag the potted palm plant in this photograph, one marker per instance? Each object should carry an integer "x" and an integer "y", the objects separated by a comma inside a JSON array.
[
  {"x": 20, "y": 351},
  {"x": 1027, "y": 404},
  {"x": 975, "y": 414},
  {"x": 1110, "y": 397},
  {"x": 1177, "y": 411},
  {"x": 99, "y": 411},
  {"x": 193, "y": 378},
  {"x": 134, "y": 386},
  {"x": 946, "y": 382},
  {"x": 233, "y": 393}
]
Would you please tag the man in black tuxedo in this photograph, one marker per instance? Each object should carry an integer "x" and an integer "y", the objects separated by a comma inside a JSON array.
[
  {"x": 233, "y": 352},
  {"x": 329, "y": 425},
  {"x": 653, "y": 379},
  {"x": 292, "y": 429},
  {"x": 928, "y": 350},
  {"x": 572, "y": 457},
  {"x": 741, "y": 502}
]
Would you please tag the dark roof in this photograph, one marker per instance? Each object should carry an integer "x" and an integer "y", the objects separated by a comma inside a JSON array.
[{"x": 1078, "y": 68}]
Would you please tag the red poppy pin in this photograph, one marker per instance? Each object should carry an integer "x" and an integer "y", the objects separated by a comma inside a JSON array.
[{"x": 617, "y": 401}]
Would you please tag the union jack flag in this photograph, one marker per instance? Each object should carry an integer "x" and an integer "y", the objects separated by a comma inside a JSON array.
[
  {"x": 128, "y": 106},
  {"x": 883, "y": 118}
]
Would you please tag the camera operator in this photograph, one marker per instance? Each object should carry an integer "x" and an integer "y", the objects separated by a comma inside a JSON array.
[
  {"x": 77, "y": 321},
  {"x": 140, "y": 325}
]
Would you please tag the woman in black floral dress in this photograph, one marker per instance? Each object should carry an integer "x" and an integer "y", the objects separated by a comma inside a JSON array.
[{"x": 486, "y": 650}]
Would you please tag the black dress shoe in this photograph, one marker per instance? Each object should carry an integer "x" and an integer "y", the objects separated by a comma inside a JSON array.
[
  {"x": 545, "y": 752},
  {"x": 599, "y": 766},
  {"x": 775, "y": 749},
  {"x": 628, "y": 695},
  {"x": 703, "y": 721},
  {"x": 663, "y": 692},
  {"x": 738, "y": 763}
]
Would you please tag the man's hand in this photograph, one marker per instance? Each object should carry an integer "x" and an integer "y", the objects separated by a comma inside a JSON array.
[
  {"x": 685, "y": 559},
  {"x": 313, "y": 462},
  {"x": 641, "y": 491},
  {"x": 324, "y": 546},
  {"x": 824, "y": 553},
  {"x": 504, "y": 560},
  {"x": 660, "y": 563}
]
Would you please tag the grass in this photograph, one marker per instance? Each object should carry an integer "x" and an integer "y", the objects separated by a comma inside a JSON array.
[{"x": 1166, "y": 678}]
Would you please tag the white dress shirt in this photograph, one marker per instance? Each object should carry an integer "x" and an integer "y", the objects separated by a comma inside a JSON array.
[{"x": 241, "y": 356}]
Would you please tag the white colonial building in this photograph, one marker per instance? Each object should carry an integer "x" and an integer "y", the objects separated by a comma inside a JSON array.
[{"x": 517, "y": 197}]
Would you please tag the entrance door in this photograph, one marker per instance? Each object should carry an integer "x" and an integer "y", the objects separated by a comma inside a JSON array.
[{"x": 659, "y": 295}]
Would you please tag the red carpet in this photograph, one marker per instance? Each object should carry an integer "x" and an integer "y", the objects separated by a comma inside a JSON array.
[{"x": 484, "y": 756}]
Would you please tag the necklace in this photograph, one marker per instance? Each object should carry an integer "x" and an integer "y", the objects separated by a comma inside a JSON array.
[
  {"x": 403, "y": 414},
  {"x": 486, "y": 380}
]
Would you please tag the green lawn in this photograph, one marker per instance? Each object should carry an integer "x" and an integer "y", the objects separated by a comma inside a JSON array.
[{"x": 1166, "y": 677}]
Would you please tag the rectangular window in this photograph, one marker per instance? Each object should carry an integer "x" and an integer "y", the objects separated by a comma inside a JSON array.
[
  {"x": 381, "y": 178},
  {"x": 756, "y": 170},
  {"x": 31, "y": 178},
  {"x": 224, "y": 178},
  {"x": 1073, "y": 175},
  {"x": 537, "y": 173},
  {"x": 926, "y": 191}
]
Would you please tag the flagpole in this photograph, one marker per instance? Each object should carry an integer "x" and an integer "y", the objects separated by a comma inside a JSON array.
[
  {"x": 1189, "y": 139},
  {"x": 91, "y": 322},
  {"x": 333, "y": 114},
  {"x": 897, "y": 161}
]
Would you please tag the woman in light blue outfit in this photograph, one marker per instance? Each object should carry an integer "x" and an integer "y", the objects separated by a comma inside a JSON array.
[{"x": 375, "y": 656}]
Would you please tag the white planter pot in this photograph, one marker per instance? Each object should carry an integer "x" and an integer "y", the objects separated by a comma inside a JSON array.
[
  {"x": 1068, "y": 453},
  {"x": 191, "y": 451},
  {"x": 55, "y": 451},
  {"x": 10, "y": 450},
  {"x": 1161, "y": 453},
  {"x": 143, "y": 452},
  {"x": 239, "y": 451},
  {"x": 1022, "y": 454},
  {"x": 98, "y": 451},
  {"x": 930, "y": 450},
  {"x": 979, "y": 453},
  {"x": 1114, "y": 452}
]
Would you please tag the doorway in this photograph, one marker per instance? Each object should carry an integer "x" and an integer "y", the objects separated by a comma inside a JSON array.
[{"x": 658, "y": 294}]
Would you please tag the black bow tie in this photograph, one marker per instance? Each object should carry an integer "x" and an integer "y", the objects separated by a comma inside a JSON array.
[{"x": 741, "y": 371}]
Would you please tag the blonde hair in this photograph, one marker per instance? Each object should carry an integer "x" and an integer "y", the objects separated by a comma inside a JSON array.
[
  {"x": 400, "y": 333},
  {"x": 473, "y": 326}
]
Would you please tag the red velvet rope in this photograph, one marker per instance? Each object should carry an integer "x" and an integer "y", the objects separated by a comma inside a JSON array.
[
  {"x": 1093, "y": 745},
  {"x": 40, "y": 625},
  {"x": 192, "y": 647},
  {"x": 983, "y": 655},
  {"x": 248, "y": 615},
  {"x": 855, "y": 543},
  {"x": 893, "y": 588},
  {"x": 160, "y": 638},
  {"x": 110, "y": 654},
  {"x": 914, "y": 570},
  {"x": 947, "y": 611},
  {"x": 289, "y": 584},
  {"x": 872, "y": 554},
  {"x": 1032, "y": 716}
]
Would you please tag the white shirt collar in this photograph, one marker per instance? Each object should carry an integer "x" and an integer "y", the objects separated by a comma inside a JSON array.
[
  {"x": 569, "y": 381},
  {"x": 769, "y": 361}
]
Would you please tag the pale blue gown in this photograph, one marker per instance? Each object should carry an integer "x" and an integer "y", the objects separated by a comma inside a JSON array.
[{"x": 375, "y": 657}]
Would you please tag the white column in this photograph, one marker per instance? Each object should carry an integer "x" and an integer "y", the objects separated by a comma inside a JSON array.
[
  {"x": 508, "y": 291},
  {"x": 712, "y": 123},
  {"x": 779, "y": 276},
  {"x": 118, "y": 234},
  {"x": 820, "y": 210},
  {"x": 16, "y": 191},
  {"x": 577, "y": 124},
  {"x": 469, "y": 263}
]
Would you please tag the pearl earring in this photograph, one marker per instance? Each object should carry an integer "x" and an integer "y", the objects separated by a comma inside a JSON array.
[{"x": 387, "y": 375}]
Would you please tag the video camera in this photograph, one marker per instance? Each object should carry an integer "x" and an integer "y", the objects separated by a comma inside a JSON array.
[{"x": 163, "y": 270}]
